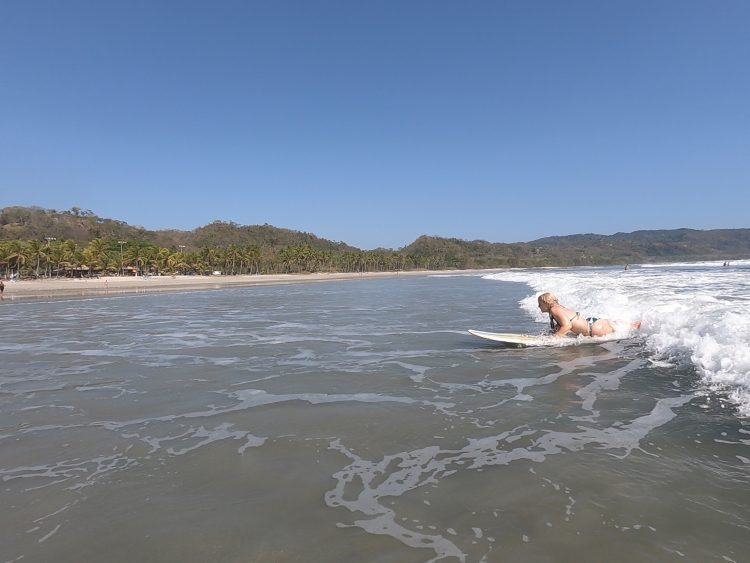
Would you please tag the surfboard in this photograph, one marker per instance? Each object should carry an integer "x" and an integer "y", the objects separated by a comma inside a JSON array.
[
  {"x": 528, "y": 339},
  {"x": 524, "y": 340}
]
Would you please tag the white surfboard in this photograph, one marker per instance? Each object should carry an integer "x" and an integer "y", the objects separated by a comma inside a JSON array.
[{"x": 529, "y": 339}]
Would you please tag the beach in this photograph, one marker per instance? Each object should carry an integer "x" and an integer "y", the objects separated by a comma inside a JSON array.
[{"x": 119, "y": 285}]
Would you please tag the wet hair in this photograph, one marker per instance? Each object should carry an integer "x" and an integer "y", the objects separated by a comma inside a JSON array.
[{"x": 547, "y": 299}]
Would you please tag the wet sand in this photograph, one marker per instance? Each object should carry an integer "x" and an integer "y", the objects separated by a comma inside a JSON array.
[{"x": 115, "y": 285}]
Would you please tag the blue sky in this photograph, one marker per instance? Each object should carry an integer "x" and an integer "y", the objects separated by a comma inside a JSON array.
[{"x": 376, "y": 122}]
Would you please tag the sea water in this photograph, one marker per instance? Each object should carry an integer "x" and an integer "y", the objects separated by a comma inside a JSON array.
[
  {"x": 358, "y": 421},
  {"x": 695, "y": 315}
]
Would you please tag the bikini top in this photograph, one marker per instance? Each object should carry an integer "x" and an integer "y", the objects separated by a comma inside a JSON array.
[{"x": 554, "y": 325}]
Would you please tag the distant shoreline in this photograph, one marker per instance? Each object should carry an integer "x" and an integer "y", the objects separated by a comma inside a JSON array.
[{"x": 27, "y": 290}]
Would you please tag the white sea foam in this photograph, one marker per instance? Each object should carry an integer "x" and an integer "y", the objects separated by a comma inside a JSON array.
[
  {"x": 697, "y": 314},
  {"x": 256, "y": 397},
  {"x": 362, "y": 486}
]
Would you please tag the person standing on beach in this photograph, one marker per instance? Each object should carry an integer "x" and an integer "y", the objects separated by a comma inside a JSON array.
[
  {"x": 2, "y": 289},
  {"x": 563, "y": 320}
]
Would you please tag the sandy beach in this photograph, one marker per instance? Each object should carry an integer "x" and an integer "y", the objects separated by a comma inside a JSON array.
[{"x": 24, "y": 290}]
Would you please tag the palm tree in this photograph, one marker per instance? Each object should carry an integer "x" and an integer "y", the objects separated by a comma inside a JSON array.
[
  {"x": 172, "y": 261},
  {"x": 162, "y": 258},
  {"x": 211, "y": 259},
  {"x": 252, "y": 256},
  {"x": 96, "y": 254},
  {"x": 232, "y": 255},
  {"x": 69, "y": 256},
  {"x": 36, "y": 252},
  {"x": 152, "y": 258},
  {"x": 53, "y": 250},
  {"x": 138, "y": 254},
  {"x": 17, "y": 256},
  {"x": 4, "y": 258}
]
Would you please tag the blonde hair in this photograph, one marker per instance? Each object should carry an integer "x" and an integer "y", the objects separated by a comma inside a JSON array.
[{"x": 547, "y": 299}]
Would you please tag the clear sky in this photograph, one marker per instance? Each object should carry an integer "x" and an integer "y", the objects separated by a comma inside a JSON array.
[{"x": 375, "y": 121}]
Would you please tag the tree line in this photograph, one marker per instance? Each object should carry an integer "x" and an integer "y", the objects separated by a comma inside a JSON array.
[
  {"x": 45, "y": 242},
  {"x": 67, "y": 258}
]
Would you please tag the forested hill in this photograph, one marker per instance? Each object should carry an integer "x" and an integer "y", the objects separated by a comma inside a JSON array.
[
  {"x": 83, "y": 227},
  {"x": 591, "y": 249}
]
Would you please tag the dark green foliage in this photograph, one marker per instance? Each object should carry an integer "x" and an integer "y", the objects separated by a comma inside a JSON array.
[
  {"x": 588, "y": 249},
  {"x": 220, "y": 234},
  {"x": 33, "y": 223},
  {"x": 39, "y": 242}
]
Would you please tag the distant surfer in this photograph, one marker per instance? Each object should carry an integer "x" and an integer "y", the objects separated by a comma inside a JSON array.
[{"x": 563, "y": 320}]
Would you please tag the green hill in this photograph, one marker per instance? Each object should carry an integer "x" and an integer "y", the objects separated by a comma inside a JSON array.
[
  {"x": 589, "y": 249},
  {"x": 83, "y": 226},
  {"x": 288, "y": 250}
]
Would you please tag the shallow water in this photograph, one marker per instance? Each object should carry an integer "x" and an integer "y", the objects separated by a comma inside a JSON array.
[{"x": 354, "y": 421}]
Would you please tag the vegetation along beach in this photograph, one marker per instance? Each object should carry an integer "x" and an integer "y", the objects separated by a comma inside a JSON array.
[{"x": 39, "y": 243}]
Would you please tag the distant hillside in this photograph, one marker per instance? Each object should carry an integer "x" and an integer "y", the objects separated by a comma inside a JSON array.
[
  {"x": 590, "y": 249},
  {"x": 83, "y": 226},
  {"x": 33, "y": 223},
  {"x": 650, "y": 246},
  {"x": 264, "y": 236}
]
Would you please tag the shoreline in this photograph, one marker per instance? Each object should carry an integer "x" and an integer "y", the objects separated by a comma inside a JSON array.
[{"x": 111, "y": 286}]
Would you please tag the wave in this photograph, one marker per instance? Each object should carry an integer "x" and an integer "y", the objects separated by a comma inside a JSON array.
[{"x": 695, "y": 314}]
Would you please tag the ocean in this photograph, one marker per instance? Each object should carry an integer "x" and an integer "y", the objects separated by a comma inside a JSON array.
[{"x": 358, "y": 421}]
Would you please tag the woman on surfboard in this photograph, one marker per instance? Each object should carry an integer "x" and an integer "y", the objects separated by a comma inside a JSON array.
[{"x": 563, "y": 320}]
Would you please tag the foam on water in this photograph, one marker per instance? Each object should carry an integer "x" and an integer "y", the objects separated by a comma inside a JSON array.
[
  {"x": 369, "y": 416},
  {"x": 364, "y": 486},
  {"x": 696, "y": 314}
]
